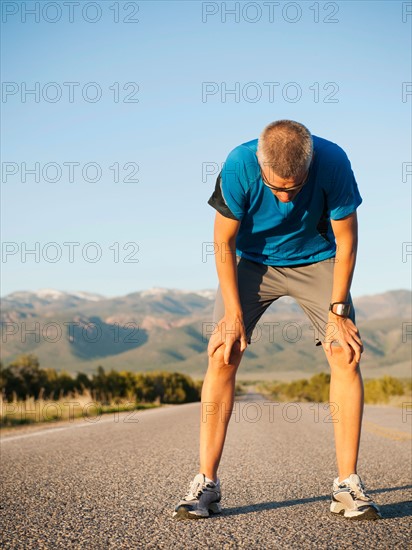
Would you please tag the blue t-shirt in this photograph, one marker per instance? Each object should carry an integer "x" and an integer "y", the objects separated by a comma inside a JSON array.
[{"x": 285, "y": 234}]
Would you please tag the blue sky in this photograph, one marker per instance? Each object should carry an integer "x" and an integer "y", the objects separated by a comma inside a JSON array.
[{"x": 342, "y": 79}]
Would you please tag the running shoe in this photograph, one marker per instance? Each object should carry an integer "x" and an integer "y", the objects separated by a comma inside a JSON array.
[
  {"x": 202, "y": 499},
  {"x": 350, "y": 500}
]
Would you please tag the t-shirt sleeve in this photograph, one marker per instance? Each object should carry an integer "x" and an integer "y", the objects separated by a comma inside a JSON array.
[
  {"x": 230, "y": 194},
  {"x": 342, "y": 193}
]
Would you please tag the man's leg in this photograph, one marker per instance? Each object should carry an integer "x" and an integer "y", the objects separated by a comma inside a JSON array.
[
  {"x": 216, "y": 408},
  {"x": 312, "y": 287},
  {"x": 346, "y": 398},
  {"x": 257, "y": 290},
  {"x": 218, "y": 391}
]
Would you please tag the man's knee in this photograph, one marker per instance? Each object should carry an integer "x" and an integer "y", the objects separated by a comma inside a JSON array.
[
  {"x": 338, "y": 361},
  {"x": 217, "y": 359}
]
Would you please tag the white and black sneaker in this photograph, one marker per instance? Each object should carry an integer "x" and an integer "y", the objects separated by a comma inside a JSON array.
[
  {"x": 350, "y": 500},
  {"x": 202, "y": 499}
]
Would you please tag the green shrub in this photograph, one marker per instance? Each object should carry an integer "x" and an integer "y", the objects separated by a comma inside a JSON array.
[
  {"x": 381, "y": 389},
  {"x": 316, "y": 389},
  {"x": 24, "y": 378}
]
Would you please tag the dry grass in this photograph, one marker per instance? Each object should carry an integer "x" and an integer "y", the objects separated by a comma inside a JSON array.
[
  {"x": 79, "y": 405},
  {"x": 387, "y": 390}
]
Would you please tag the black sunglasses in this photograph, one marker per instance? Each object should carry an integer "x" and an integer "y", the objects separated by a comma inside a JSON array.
[{"x": 283, "y": 189}]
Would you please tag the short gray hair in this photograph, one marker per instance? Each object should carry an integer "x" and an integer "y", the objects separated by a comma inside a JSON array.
[{"x": 286, "y": 147}]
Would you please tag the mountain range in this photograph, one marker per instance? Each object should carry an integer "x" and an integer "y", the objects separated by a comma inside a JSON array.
[{"x": 168, "y": 329}]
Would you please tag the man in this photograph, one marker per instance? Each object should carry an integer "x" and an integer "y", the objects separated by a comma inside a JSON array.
[{"x": 286, "y": 223}]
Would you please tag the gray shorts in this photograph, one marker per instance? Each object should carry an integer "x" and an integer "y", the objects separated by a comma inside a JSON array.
[{"x": 260, "y": 285}]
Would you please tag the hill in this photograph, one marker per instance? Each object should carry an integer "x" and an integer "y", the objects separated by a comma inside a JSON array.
[{"x": 169, "y": 329}]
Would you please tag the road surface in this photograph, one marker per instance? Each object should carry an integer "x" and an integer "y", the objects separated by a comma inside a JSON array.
[{"x": 113, "y": 483}]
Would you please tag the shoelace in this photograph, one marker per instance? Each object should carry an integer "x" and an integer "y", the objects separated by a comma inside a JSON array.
[
  {"x": 195, "y": 490},
  {"x": 358, "y": 492}
]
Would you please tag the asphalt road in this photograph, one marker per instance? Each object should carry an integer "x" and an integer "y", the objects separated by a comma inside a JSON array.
[{"x": 114, "y": 483}]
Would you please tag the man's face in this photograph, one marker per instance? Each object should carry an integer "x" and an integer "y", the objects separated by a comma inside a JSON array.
[{"x": 284, "y": 190}]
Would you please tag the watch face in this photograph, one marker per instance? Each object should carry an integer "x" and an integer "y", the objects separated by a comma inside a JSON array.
[{"x": 342, "y": 309}]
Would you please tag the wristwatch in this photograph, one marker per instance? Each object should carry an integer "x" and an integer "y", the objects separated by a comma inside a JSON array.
[{"x": 342, "y": 309}]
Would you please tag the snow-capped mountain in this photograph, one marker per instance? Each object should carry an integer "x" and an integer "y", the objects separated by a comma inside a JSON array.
[{"x": 48, "y": 297}]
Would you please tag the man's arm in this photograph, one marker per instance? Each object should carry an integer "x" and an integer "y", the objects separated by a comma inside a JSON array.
[
  {"x": 346, "y": 235},
  {"x": 231, "y": 327}
]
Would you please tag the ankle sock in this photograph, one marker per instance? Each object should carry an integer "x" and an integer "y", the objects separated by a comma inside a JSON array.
[{"x": 208, "y": 480}]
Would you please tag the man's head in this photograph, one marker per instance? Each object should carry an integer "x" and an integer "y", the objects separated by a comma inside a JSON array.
[{"x": 285, "y": 151}]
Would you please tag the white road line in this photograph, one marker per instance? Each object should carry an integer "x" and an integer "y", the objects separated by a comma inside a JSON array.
[
  {"x": 99, "y": 421},
  {"x": 5, "y": 439}
]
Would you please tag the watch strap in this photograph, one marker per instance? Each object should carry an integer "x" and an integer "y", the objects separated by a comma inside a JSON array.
[{"x": 342, "y": 309}]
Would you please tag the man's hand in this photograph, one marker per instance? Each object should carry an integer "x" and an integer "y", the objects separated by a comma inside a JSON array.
[
  {"x": 229, "y": 330},
  {"x": 345, "y": 332}
]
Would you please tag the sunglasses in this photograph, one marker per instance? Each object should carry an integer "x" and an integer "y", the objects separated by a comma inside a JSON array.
[{"x": 284, "y": 189}]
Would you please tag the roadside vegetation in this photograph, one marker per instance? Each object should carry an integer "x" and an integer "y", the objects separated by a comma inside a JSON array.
[
  {"x": 32, "y": 394},
  {"x": 385, "y": 390}
]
